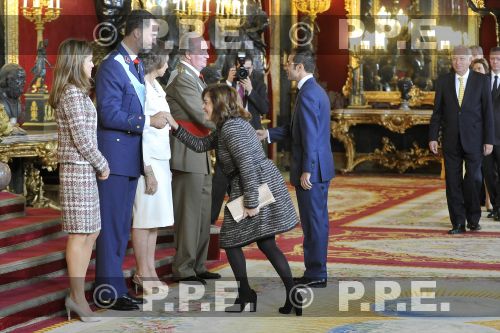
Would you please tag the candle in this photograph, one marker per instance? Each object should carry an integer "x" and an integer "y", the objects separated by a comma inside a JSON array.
[
  {"x": 25, "y": 4},
  {"x": 178, "y": 3},
  {"x": 244, "y": 7},
  {"x": 238, "y": 7},
  {"x": 58, "y": 4},
  {"x": 36, "y": 3},
  {"x": 207, "y": 6},
  {"x": 217, "y": 7},
  {"x": 51, "y": 3},
  {"x": 183, "y": 5}
]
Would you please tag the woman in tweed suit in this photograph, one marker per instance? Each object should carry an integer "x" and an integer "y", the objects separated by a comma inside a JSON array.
[
  {"x": 242, "y": 159},
  {"x": 79, "y": 162}
]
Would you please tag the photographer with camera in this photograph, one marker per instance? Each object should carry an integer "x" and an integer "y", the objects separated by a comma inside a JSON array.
[
  {"x": 250, "y": 85},
  {"x": 238, "y": 73}
]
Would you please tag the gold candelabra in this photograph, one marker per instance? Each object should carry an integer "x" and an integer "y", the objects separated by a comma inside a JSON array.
[
  {"x": 40, "y": 12},
  {"x": 201, "y": 8},
  {"x": 312, "y": 7}
]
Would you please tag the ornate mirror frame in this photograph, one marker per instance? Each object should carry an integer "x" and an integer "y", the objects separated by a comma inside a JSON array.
[{"x": 418, "y": 97}]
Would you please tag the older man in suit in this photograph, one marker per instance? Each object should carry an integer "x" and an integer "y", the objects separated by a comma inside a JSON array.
[
  {"x": 191, "y": 179},
  {"x": 312, "y": 163},
  {"x": 120, "y": 95},
  {"x": 463, "y": 111}
]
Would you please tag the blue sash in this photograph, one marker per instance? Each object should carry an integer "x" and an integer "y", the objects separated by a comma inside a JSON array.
[{"x": 139, "y": 88}]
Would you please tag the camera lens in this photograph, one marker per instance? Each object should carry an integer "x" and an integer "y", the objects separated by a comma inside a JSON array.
[{"x": 242, "y": 73}]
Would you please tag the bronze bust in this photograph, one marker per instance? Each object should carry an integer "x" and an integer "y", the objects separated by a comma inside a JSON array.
[{"x": 12, "y": 81}]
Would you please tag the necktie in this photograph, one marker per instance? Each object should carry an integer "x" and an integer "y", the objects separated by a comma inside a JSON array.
[
  {"x": 461, "y": 89},
  {"x": 494, "y": 91},
  {"x": 241, "y": 92}
]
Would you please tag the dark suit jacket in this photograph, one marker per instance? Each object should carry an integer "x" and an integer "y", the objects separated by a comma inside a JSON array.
[
  {"x": 496, "y": 112},
  {"x": 310, "y": 135},
  {"x": 471, "y": 123},
  {"x": 119, "y": 109},
  {"x": 257, "y": 101}
]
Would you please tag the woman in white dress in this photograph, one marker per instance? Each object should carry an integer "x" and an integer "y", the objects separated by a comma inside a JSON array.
[{"x": 153, "y": 201}]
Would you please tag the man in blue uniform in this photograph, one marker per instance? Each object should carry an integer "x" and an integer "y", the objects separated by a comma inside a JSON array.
[{"x": 120, "y": 94}]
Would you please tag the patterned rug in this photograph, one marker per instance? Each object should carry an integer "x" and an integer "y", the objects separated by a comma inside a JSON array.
[{"x": 381, "y": 228}]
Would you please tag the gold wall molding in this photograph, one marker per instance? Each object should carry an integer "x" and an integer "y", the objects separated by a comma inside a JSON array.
[{"x": 11, "y": 8}]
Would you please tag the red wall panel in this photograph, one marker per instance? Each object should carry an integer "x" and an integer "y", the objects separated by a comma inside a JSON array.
[{"x": 77, "y": 20}]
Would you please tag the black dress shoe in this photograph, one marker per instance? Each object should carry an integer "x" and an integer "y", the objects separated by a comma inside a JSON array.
[
  {"x": 135, "y": 300},
  {"x": 192, "y": 278},
  {"x": 475, "y": 227},
  {"x": 309, "y": 282},
  {"x": 208, "y": 275},
  {"x": 491, "y": 215},
  {"x": 119, "y": 304},
  {"x": 457, "y": 230}
]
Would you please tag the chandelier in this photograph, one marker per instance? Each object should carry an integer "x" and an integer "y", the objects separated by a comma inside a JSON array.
[
  {"x": 312, "y": 7},
  {"x": 223, "y": 8}
]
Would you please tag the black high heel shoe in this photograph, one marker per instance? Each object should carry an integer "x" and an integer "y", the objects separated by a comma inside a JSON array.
[
  {"x": 241, "y": 302},
  {"x": 293, "y": 302}
]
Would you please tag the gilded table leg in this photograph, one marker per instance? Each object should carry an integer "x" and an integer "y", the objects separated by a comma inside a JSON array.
[
  {"x": 340, "y": 131},
  {"x": 34, "y": 188}
]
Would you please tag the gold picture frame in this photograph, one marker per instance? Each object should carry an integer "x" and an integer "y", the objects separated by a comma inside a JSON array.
[{"x": 417, "y": 97}]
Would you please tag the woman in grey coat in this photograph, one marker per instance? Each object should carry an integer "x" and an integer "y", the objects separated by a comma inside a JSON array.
[{"x": 242, "y": 159}]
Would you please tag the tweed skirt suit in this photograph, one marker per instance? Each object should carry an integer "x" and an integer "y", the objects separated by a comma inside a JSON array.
[
  {"x": 241, "y": 156},
  {"x": 79, "y": 160}
]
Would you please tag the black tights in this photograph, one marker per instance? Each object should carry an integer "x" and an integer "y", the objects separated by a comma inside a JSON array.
[{"x": 274, "y": 255}]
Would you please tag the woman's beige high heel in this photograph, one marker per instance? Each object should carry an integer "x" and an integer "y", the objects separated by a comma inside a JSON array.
[
  {"x": 139, "y": 283},
  {"x": 85, "y": 317}
]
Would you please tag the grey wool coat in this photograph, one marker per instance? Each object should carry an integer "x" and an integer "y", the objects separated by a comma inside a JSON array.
[{"x": 242, "y": 158}]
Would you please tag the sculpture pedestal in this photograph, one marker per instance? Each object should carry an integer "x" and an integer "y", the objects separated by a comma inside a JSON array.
[{"x": 39, "y": 114}]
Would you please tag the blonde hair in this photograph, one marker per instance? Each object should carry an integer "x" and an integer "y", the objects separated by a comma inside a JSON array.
[{"x": 69, "y": 68}]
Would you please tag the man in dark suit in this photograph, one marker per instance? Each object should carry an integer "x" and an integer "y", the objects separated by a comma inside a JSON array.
[
  {"x": 120, "y": 95},
  {"x": 312, "y": 163},
  {"x": 463, "y": 111},
  {"x": 191, "y": 178},
  {"x": 253, "y": 92},
  {"x": 492, "y": 162}
]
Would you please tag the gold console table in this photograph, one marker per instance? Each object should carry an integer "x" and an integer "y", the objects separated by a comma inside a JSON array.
[
  {"x": 397, "y": 121},
  {"x": 34, "y": 146}
]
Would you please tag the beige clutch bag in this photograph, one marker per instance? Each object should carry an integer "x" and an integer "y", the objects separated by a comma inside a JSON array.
[{"x": 236, "y": 206}]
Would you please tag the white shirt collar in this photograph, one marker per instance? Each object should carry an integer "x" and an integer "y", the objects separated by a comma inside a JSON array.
[
  {"x": 188, "y": 65},
  {"x": 130, "y": 53},
  {"x": 303, "y": 80}
]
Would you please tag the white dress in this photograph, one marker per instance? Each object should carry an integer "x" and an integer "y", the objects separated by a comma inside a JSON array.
[{"x": 154, "y": 211}]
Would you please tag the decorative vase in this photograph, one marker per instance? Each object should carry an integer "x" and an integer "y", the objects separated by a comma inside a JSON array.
[{"x": 4, "y": 175}]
